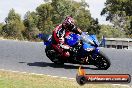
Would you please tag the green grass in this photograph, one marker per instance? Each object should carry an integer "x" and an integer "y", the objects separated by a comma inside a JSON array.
[{"x": 20, "y": 80}]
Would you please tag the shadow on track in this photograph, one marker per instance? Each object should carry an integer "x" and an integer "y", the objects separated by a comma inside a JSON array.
[{"x": 65, "y": 66}]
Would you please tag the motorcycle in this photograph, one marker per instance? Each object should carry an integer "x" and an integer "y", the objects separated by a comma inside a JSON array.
[{"x": 84, "y": 51}]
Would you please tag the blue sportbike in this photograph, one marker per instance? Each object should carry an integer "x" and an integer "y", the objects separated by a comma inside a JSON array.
[{"x": 84, "y": 50}]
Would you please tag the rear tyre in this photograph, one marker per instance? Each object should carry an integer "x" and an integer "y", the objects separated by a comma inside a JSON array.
[
  {"x": 102, "y": 61},
  {"x": 53, "y": 56}
]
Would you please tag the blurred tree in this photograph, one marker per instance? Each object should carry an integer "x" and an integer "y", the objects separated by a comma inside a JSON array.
[
  {"x": 94, "y": 27},
  {"x": 109, "y": 31},
  {"x": 53, "y": 13},
  {"x": 61, "y": 9},
  {"x": 13, "y": 26},
  {"x": 1, "y": 28},
  {"x": 45, "y": 13},
  {"x": 119, "y": 12},
  {"x": 30, "y": 22}
]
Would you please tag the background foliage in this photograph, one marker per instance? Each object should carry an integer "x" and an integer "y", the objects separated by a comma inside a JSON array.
[
  {"x": 119, "y": 12},
  {"x": 52, "y": 12}
]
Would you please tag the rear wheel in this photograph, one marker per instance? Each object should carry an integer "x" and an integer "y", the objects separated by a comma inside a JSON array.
[
  {"x": 53, "y": 56},
  {"x": 102, "y": 61}
]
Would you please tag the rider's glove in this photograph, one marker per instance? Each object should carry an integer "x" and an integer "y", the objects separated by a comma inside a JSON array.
[{"x": 66, "y": 47}]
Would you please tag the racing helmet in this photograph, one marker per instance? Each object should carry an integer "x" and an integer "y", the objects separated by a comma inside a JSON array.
[{"x": 68, "y": 23}]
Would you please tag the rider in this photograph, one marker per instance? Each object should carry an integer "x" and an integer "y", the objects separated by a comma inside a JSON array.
[{"x": 61, "y": 32}]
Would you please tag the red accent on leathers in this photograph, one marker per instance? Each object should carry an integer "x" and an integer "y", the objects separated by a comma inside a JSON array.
[{"x": 59, "y": 38}]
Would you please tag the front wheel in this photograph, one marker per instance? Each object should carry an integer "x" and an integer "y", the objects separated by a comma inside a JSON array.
[{"x": 102, "y": 61}]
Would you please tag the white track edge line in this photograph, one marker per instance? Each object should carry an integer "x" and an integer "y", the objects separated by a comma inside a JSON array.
[{"x": 36, "y": 74}]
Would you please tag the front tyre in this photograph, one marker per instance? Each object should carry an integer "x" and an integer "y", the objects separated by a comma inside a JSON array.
[{"x": 102, "y": 61}]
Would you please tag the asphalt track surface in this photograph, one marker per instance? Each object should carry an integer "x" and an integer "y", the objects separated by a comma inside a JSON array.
[{"x": 30, "y": 57}]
